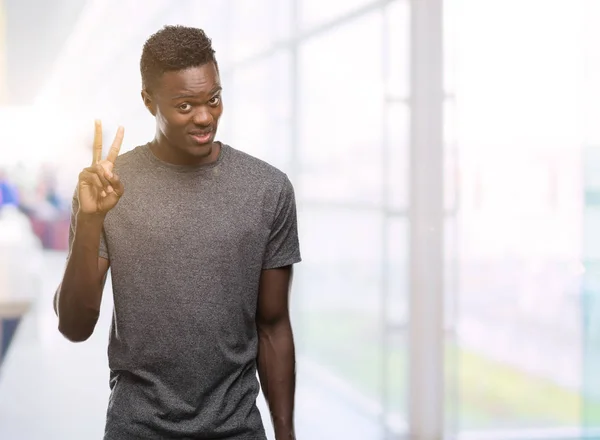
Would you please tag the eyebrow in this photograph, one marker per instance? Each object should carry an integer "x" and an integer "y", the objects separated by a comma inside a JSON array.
[{"x": 214, "y": 91}]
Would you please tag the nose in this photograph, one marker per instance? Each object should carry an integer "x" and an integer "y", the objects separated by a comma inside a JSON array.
[{"x": 202, "y": 116}]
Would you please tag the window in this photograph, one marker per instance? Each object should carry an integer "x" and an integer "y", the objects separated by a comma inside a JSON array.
[
  {"x": 257, "y": 25},
  {"x": 397, "y": 44},
  {"x": 398, "y": 120},
  {"x": 395, "y": 325},
  {"x": 257, "y": 107},
  {"x": 519, "y": 340},
  {"x": 341, "y": 114},
  {"x": 340, "y": 312},
  {"x": 316, "y": 12}
]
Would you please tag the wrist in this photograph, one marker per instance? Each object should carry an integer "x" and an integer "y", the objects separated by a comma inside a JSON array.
[
  {"x": 285, "y": 435},
  {"x": 284, "y": 431},
  {"x": 90, "y": 220}
]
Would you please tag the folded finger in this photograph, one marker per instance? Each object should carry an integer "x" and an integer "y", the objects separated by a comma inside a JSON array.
[
  {"x": 116, "y": 184},
  {"x": 91, "y": 178}
]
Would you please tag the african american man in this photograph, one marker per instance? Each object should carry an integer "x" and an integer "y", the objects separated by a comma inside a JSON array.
[{"x": 200, "y": 239}]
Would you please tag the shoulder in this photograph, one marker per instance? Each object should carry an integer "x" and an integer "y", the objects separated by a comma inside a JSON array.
[
  {"x": 133, "y": 165},
  {"x": 128, "y": 159},
  {"x": 256, "y": 170}
]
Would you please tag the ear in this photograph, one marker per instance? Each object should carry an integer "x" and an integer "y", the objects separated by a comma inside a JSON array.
[{"x": 149, "y": 102}]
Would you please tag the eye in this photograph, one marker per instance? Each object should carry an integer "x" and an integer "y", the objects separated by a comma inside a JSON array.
[
  {"x": 185, "y": 107},
  {"x": 215, "y": 100}
]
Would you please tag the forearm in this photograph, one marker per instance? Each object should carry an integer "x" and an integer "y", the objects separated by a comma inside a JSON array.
[
  {"x": 277, "y": 372},
  {"x": 79, "y": 295}
]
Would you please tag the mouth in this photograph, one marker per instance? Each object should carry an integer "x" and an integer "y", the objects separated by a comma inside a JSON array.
[{"x": 201, "y": 137}]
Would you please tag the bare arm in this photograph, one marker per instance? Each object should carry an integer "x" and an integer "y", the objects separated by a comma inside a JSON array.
[
  {"x": 276, "y": 353},
  {"x": 77, "y": 300}
]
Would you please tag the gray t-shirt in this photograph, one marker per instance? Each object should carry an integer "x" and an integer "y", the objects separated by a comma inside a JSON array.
[{"x": 186, "y": 247}]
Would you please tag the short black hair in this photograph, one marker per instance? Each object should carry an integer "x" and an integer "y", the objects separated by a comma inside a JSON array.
[{"x": 174, "y": 48}]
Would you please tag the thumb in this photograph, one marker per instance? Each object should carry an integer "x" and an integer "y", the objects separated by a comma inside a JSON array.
[
  {"x": 116, "y": 184},
  {"x": 110, "y": 200}
]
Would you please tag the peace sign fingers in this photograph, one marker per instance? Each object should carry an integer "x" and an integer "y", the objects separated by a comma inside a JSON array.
[
  {"x": 114, "y": 149},
  {"x": 116, "y": 146},
  {"x": 97, "y": 153}
]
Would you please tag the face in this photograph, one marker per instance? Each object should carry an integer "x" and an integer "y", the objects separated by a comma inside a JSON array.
[{"x": 187, "y": 106}]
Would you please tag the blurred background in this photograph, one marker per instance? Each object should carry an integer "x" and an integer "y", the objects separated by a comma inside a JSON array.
[{"x": 446, "y": 160}]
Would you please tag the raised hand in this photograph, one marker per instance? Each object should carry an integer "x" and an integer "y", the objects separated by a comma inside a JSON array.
[{"x": 99, "y": 188}]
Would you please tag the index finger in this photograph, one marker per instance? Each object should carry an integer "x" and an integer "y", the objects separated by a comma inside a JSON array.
[
  {"x": 116, "y": 145},
  {"x": 97, "y": 151}
]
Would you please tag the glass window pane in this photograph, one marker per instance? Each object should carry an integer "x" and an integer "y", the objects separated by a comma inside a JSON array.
[
  {"x": 315, "y": 12},
  {"x": 451, "y": 158},
  {"x": 518, "y": 311},
  {"x": 396, "y": 265},
  {"x": 452, "y": 11},
  {"x": 395, "y": 314},
  {"x": 257, "y": 110},
  {"x": 519, "y": 232},
  {"x": 590, "y": 306},
  {"x": 338, "y": 287},
  {"x": 451, "y": 292},
  {"x": 397, "y": 43},
  {"x": 397, "y": 161},
  {"x": 396, "y": 385},
  {"x": 257, "y": 25},
  {"x": 590, "y": 290},
  {"x": 341, "y": 110},
  {"x": 591, "y": 90},
  {"x": 342, "y": 324}
]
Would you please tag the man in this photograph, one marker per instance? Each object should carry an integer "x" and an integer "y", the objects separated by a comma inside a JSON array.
[{"x": 200, "y": 239}]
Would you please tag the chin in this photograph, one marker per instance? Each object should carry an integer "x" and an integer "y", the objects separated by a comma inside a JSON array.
[{"x": 200, "y": 150}]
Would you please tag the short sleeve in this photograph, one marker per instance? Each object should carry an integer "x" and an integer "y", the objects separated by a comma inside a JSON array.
[
  {"x": 103, "y": 250},
  {"x": 283, "y": 247}
]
